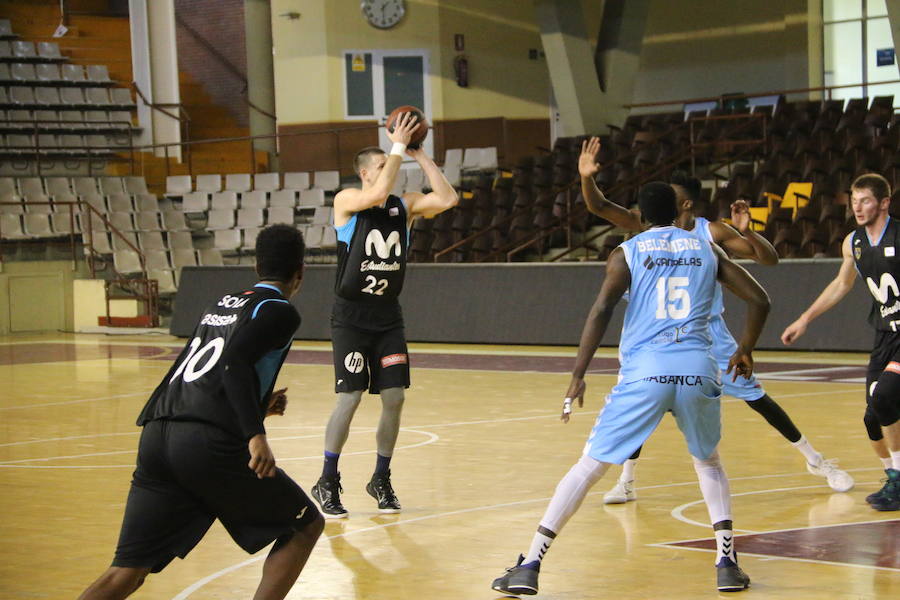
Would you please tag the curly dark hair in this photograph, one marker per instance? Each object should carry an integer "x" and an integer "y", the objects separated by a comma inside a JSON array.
[{"x": 279, "y": 252}]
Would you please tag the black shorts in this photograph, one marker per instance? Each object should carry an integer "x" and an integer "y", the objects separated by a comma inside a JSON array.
[
  {"x": 363, "y": 359},
  {"x": 885, "y": 350},
  {"x": 190, "y": 474}
]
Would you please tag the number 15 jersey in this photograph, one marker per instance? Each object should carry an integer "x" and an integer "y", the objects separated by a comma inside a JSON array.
[
  {"x": 226, "y": 373},
  {"x": 671, "y": 299}
]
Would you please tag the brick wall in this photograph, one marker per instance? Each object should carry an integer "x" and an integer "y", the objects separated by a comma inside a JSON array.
[{"x": 221, "y": 23}]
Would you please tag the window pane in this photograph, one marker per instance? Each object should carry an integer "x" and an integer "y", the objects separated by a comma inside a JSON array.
[
  {"x": 878, "y": 37},
  {"x": 843, "y": 58},
  {"x": 837, "y": 10},
  {"x": 876, "y": 8},
  {"x": 358, "y": 69}
]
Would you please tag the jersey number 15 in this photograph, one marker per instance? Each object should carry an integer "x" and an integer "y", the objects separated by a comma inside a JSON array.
[{"x": 672, "y": 300}]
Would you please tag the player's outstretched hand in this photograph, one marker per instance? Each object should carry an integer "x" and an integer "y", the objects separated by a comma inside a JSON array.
[
  {"x": 277, "y": 403},
  {"x": 575, "y": 392},
  {"x": 262, "y": 461},
  {"x": 740, "y": 215},
  {"x": 403, "y": 128},
  {"x": 793, "y": 331},
  {"x": 587, "y": 162},
  {"x": 740, "y": 363}
]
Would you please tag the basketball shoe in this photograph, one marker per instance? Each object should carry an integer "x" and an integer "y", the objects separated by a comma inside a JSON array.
[
  {"x": 520, "y": 580},
  {"x": 730, "y": 577},
  {"x": 838, "y": 480},
  {"x": 889, "y": 498},
  {"x": 620, "y": 493},
  {"x": 327, "y": 493},
  {"x": 379, "y": 487}
]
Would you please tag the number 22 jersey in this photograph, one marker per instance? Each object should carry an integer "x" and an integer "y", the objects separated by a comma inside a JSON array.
[{"x": 225, "y": 374}]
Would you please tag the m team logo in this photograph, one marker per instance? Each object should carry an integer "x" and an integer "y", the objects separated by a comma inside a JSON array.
[
  {"x": 354, "y": 362},
  {"x": 886, "y": 286},
  {"x": 383, "y": 248}
]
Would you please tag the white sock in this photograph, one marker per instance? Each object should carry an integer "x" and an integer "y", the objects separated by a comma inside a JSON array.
[
  {"x": 539, "y": 546},
  {"x": 805, "y": 448},
  {"x": 714, "y": 487},
  {"x": 628, "y": 470},
  {"x": 725, "y": 545},
  {"x": 887, "y": 462},
  {"x": 895, "y": 459}
]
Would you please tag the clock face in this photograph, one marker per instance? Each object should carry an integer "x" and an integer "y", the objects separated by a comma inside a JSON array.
[{"x": 383, "y": 14}]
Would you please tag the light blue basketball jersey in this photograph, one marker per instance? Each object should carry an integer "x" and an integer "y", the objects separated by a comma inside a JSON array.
[
  {"x": 701, "y": 230},
  {"x": 671, "y": 296}
]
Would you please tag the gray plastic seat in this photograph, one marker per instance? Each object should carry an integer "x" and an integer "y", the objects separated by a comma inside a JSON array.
[
  {"x": 127, "y": 261},
  {"x": 145, "y": 202},
  {"x": 120, "y": 202},
  {"x": 183, "y": 257},
  {"x": 111, "y": 185},
  {"x": 173, "y": 220},
  {"x": 254, "y": 199},
  {"x": 148, "y": 220},
  {"x": 327, "y": 180},
  {"x": 120, "y": 119},
  {"x": 84, "y": 185},
  {"x": 121, "y": 97},
  {"x": 96, "y": 96},
  {"x": 22, "y": 72},
  {"x": 37, "y": 225},
  {"x": 24, "y": 50},
  {"x": 22, "y": 96},
  {"x": 135, "y": 184},
  {"x": 47, "y": 96},
  {"x": 237, "y": 182},
  {"x": 48, "y": 72},
  {"x": 61, "y": 223},
  {"x": 209, "y": 183},
  {"x": 178, "y": 185},
  {"x": 180, "y": 240},
  {"x": 267, "y": 182},
  {"x": 72, "y": 73},
  {"x": 58, "y": 185},
  {"x": 11, "y": 226},
  {"x": 156, "y": 258},
  {"x": 152, "y": 240},
  {"x": 49, "y": 51},
  {"x": 98, "y": 74},
  {"x": 72, "y": 97},
  {"x": 297, "y": 180},
  {"x": 6, "y": 28},
  {"x": 210, "y": 257},
  {"x": 5, "y": 50}
]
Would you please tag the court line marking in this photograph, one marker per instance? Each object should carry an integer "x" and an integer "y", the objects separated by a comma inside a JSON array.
[
  {"x": 672, "y": 546},
  {"x": 80, "y": 401},
  {"x": 678, "y": 512},
  {"x": 186, "y": 592},
  {"x": 20, "y": 463}
]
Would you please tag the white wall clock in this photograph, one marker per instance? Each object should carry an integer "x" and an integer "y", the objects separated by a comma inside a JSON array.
[{"x": 383, "y": 14}]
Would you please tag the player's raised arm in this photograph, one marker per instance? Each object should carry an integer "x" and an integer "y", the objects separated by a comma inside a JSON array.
[
  {"x": 442, "y": 197},
  {"x": 377, "y": 174},
  {"x": 594, "y": 199},
  {"x": 739, "y": 281},
  {"x": 615, "y": 284},
  {"x": 833, "y": 293},
  {"x": 741, "y": 240}
]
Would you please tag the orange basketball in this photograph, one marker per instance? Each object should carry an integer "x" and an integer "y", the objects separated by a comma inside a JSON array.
[{"x": 419, "y": 132}]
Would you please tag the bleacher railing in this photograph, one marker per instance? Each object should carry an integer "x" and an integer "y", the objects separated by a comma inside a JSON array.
[{"x": 140, "y": 288}]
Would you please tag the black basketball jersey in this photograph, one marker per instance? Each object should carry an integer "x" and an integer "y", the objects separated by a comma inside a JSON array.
[
  {"x": 371, "y": 267},
  {"x": 222, "y": 351},
  {"x": 879, "y": 266}
]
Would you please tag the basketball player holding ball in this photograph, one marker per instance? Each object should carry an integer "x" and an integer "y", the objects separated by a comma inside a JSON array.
[{"x": 368, "y": 338}]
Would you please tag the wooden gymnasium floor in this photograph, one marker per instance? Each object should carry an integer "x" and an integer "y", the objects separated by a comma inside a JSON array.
[{"x": 478, "y": 457}]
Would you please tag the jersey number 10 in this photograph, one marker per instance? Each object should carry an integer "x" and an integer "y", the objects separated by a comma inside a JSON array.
[
  {"x": 672, "y": 300},
  {"x": 190, "y": 367}
]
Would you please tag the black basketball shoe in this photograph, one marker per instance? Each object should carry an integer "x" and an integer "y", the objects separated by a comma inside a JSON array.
[
  {"x": 890, "y": 493},
  {"x": 379, "y": 487},
  {"x": 520, "y": 580},
  {"x": 327, "y": 493},
  {"x": 730, "y": 577}
]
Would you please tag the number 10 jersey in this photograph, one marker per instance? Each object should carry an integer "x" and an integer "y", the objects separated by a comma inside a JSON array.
[{"x": 226, "y": 372}]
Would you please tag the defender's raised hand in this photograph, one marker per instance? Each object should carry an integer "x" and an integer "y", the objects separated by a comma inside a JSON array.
[{"x": 587, "y": 162}]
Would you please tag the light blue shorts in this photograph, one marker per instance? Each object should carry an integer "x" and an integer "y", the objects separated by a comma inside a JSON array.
[
  {"x": 634, "y": 410},
  {"x": 722, "y": 348}
]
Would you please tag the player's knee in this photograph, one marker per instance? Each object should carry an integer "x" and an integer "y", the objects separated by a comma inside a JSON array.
[
  {"x": 119, "y": 582},
  {"x": 591, "y": 469},
  {"x": 885, "y": 401},
  {"x": 392, "y": 398},
  {"x": 873, "y": 427},
  {"x": 710, "y": 462}
]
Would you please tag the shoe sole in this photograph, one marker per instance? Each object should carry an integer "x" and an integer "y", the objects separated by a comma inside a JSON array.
[
  {"x": 618, "y": 500},
  {"x": 886, "y": 508},
  {"x": 734, "y": 588},
  {"x": 517, "y": 590},
  {"x": 390, "y": 511}
]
